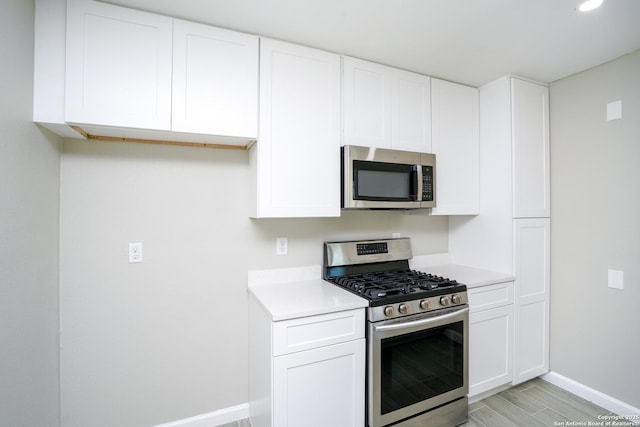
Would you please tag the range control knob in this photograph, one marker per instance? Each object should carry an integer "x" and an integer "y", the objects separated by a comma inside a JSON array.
[
  {"x": 389, "y": 311},
  {"x": 445, "y": 300},
  {"x": 403, "y": 308},
  {"x": 456, "y": 299},
  {"x": 424, "y": 304}
]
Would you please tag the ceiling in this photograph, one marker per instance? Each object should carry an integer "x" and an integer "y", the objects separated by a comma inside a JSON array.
[{"x": 466, "y": 41}]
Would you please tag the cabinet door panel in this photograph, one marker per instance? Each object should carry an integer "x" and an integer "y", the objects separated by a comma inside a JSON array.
[
  {"x": 320, "y": 387},
  {"x": 530, "y": 149},
  {"x": 118, "y": 70},
  {"x": 367, "y": 103},
  {"x": 411, "y": 112},
  {"x": 531, "y": 258},
  {"x": 456, "y": 144},
  {"x": 298, "y": 153},
  {"x": 294, "y": 335},
  {"x": 491, "y": 296},
  {"x": 531, "y": 357},
  {"x": 531, "y": 307},
  {"x": 215, "y": 81},
  {"x": 490, "y": 349}
]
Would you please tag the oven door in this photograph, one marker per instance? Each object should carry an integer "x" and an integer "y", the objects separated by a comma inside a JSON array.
[{"x": 416, "y": 364}]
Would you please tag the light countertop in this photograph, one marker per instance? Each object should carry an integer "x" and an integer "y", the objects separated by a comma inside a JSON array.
[
  {"x": 470, "y": 276},
  {"x": 294, "y": 298},
  {"x": 300, "y": 292}
]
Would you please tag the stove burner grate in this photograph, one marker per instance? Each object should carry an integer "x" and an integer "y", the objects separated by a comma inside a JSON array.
[{"x": 389, "y": 283}]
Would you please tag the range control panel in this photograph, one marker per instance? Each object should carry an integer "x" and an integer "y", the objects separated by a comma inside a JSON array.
[
  {"x": 422, "y": 305},
  {"x": 372, "y": 248}
]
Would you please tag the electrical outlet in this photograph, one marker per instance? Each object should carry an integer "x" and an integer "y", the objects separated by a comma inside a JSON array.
[
  {"x": 135, "y": 252},
  {"x": 282, "y": 244}
]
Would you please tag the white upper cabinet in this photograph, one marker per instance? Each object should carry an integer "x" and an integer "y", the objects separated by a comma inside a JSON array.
[
  {"x": 118, "y": 70},
  {"x": 456, "y": 143},
  {"x": 410, "y": 111},
  {"x": 136, "y": 75},
  {"x": 296, "y": 162},
  {"x": 530, "y": 121},
  {"x": 366, "y": 103},
  {"x": 215, "y": 81},
  {"x": 385, "y": 107}
]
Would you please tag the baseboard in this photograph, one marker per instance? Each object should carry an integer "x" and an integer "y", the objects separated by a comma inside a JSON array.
[
  {"x": 211, "y": 419},
  {"x": 483, "y": 395},
  {"x": 612, "y": 404}
]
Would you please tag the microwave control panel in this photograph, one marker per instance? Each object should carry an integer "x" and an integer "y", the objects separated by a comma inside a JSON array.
[{"x": 427, "y": 183}]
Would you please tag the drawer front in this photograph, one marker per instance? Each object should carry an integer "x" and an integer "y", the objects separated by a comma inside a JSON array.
[
  {"x": 290, "y": 336},
  {"x": 491, "y": 296}
]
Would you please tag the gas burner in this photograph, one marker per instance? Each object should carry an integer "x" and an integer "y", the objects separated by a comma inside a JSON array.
[{"x": 381, "y": 284}]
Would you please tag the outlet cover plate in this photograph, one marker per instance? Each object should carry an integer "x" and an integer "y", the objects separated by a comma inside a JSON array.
[
  {"x": 616, "y": 279},
  {"x": 135, "y": 252}
]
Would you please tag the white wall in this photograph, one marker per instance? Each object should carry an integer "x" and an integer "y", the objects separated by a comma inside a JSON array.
[
  {"x": 595, "y": 172},
  {"x": 29, "y": 185},
  {"x": 143, "y": 344}
]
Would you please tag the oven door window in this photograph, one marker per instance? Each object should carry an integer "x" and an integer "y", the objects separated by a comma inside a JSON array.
[
  {"x": 421, "y": 365},
  {"x": 384, "y": 181}
]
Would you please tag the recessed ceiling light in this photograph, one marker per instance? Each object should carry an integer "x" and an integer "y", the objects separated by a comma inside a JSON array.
[{"x": 590, "y": 5}]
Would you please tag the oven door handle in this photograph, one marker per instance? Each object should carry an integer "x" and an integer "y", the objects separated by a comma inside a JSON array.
[{"x": 421, "y": 322}]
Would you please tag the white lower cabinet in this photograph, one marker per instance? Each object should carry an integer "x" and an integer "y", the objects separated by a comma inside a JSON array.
[
  {"x": 320, "y": 387},
  {"x": 531, "y": 305},
  {"x": 490, "y": 337},
  {"x": 307, "y": 372}
]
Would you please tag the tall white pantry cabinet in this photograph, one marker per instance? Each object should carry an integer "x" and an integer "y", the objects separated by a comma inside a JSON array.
[{"x": 512, "y": 232}]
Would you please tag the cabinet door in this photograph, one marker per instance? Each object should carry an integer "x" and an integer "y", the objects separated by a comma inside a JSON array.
[
  {"x": 490, "y": 349},
  {"x": 531, "y": 299},
  {"x": 410, "y": 112},
  {"x": 320, "y": 387},
  {"x": 366, "y": 103},
  {"x": 215, "y": 81},
  {"x": 530, "y": 115},
  {"x": 456, "y": 143},
  {"x": 118, "y": 67},
  {"x": 297, "y": 158}
]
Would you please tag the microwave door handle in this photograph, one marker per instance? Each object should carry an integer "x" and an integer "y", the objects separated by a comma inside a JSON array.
[
  {"x": 422, "y": 322},
  {"x": 419, "y": 179}
]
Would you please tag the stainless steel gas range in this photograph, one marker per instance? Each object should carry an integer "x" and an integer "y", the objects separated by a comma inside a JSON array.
[{"x": 417, "y": 334}]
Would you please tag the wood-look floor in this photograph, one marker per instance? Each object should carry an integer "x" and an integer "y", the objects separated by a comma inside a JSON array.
[{"x": 536, "y": 403}]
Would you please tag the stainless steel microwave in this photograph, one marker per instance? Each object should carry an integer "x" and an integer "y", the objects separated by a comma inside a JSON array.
[{"x": 378, "y": 178}]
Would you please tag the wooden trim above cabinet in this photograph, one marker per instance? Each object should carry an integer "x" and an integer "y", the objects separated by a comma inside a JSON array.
[{"x": 93, "y": 136}]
